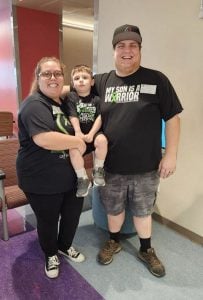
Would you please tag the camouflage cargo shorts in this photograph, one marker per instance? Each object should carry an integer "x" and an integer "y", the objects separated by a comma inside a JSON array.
[{"x": 137, "y": 191}]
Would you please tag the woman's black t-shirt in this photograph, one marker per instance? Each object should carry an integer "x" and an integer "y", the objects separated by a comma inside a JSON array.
[{"x": 39, "y": 170}]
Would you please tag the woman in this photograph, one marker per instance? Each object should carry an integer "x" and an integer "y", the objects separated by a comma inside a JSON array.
[{"x": 44, "y": 170}]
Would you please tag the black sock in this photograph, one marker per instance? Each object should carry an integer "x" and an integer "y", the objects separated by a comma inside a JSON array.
[
  {"x": 114, "y": 236},
  {"x": 145, "y": 244}
]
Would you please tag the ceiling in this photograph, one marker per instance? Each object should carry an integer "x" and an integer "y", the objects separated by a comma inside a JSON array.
[{"x": 76, "y": 13}]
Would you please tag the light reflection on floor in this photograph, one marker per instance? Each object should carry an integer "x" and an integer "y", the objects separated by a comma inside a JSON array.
[{"x": 20, "y": 220}]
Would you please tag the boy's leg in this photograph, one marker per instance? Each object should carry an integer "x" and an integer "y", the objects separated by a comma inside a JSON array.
[
  {"x": 100, "y": 144},
  {"x": 77, "y": 161}
]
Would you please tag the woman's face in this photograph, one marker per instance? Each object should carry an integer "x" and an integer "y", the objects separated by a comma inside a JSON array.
[{"x": 51, "y": 80}]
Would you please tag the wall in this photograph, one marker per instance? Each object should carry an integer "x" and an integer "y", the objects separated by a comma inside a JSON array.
[
  {"x": 38, "y": 36},
  {"x": 8, "y": 82},
  {"x": 77, "y": 48},
  {"x": 173, "y": 43}
]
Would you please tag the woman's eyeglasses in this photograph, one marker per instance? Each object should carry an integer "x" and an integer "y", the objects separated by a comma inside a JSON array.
[{"x": 48, "y": 74}]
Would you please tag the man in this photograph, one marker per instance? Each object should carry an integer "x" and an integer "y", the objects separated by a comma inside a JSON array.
[{"x": 134, "y": 100}]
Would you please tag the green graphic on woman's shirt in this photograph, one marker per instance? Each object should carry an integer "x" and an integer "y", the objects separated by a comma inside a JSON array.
[{"x": 62, "y": 124}]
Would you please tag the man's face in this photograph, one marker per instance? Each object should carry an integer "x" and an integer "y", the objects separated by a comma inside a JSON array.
[{"x": 127, "y": 56}]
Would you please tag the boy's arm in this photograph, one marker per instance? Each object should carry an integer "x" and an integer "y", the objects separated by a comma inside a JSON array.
[
  {"x": 95, "y": 128},
  {"x": 76, "y": 125}
]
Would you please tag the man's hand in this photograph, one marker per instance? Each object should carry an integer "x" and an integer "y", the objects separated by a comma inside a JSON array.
[{"x": 167, "y": 165}]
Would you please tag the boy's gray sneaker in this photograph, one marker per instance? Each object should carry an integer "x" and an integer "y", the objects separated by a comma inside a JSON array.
[
  {"x": 83, "y": 187},
  {"x": 152, "y": 262},
  {"x": 98, "y": 177}
]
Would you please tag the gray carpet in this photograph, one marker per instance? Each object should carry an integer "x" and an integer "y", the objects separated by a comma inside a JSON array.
[{"x": 128, "y": 278}]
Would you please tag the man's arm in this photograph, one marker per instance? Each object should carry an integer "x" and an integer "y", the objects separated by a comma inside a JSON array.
[{"x": 167, "y": 165}]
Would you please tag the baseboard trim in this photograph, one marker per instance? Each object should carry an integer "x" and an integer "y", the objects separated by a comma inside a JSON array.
[{"x": 183, "y": 231}]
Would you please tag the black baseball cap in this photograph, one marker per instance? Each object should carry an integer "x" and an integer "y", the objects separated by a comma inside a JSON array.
[{"x": 126, "y": 32}]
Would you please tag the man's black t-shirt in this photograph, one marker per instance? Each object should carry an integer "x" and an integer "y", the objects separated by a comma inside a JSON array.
[
  {"x": 39, "y": 170},
  {"x": 132, "y": 108}
]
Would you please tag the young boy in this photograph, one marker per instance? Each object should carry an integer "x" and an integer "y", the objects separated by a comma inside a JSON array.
[{"x": 84, "y": 115}]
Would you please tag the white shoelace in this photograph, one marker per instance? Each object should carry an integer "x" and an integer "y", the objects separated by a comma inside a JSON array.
[
  {"x": 53, "y": 261},
  {"x": 72, "y": 252}
]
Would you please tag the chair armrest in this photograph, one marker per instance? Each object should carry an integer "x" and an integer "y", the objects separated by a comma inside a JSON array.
[{"x": 2, "y": 175}]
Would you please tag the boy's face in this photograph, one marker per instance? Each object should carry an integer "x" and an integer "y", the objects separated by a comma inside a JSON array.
[{"x": 82, "y": 82}]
